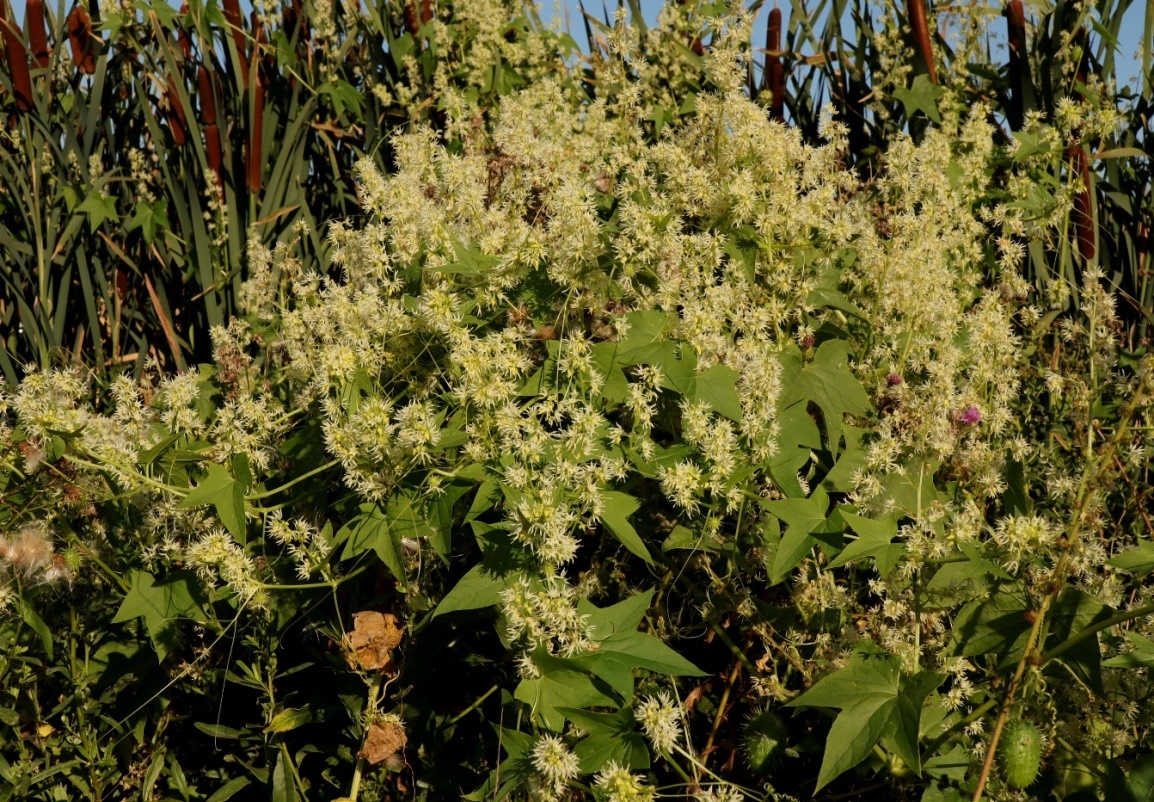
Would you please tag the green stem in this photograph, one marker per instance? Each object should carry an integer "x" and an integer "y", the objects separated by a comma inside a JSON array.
[
  {"x": 681, "y": 772},
  {"x": 480, "y": 700},
  {"x": 265, "y": 494},
  {"x": 333, "y": 583},
  {"x": 91, "y": 555},
  {"x": 976, "y": 714},
  {"x": 358, "y": 772},
  {"x": 1113, "y": 620}
]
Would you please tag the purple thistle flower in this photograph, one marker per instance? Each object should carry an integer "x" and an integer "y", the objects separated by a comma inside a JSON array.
[
  {"x": 894, "y": 379},
  {"x": 970, "y": 415}
]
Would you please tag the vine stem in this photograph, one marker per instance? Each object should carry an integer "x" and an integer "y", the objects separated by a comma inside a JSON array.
[
  {"x": 1112, "y": 621},
  {"x": 477, "y": 703},
  {"x": 358, "y": 772},
  {"x": 721, "y": 710},
  {"x": 1036, "y": 640}
]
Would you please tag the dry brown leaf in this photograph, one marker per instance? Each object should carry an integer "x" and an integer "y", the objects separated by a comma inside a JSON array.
[
  {"x": 384, "y": 740},
  {"x": 374, "y": 635}
]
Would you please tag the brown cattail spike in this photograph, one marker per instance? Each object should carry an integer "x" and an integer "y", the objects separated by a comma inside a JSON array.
[
  {"x": 207, "y": 99},
  {"x": 183, "y": 40},
  {"x": 175, "y": 113},
  {"x": 1083, "y": 215},
  {"x": 774, "y": 70},
  {"x": 412, "y": 25},
  {"x": 208, "y": 118},
  {"x": 82, "y": 40},
  {"x": 920, "y": 28},
  {"x": 17, "y": 58},
  {"x": 1019, "y": 69},
  {"x": 37, "y": 32},
  {"x": 233, "y": 18},
  {"x": 255, "y": 142}
]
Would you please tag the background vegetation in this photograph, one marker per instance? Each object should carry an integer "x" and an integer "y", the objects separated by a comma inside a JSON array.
[{"x": 175, "y": 602}]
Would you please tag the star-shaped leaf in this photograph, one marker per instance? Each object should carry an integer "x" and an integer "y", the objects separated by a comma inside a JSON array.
[
  {"x": 160, "y": 604},
  {"x": 922, "y": 96},
  {"x": 225, "y": 494},
  {"x": 828, "y": 382},
  {"x": 801, "y": 516},
  {"x": 874, "y": 540},
  {"x": 875, "y": 700}
]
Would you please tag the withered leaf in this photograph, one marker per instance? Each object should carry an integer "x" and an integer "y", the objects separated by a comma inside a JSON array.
[
  {"x": 384, "y": 740},
  {"x": 374, "y": 635}
]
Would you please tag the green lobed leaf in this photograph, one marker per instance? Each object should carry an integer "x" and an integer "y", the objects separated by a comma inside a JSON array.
[
  {"x": 225, "y": 494},
  {"x": 1141, "y": 655},
  {"x": 874, "y": 700},
  {"x": 852, "y": 737},
  {"x": 1137, "y": 561},
  {"x": 160, "y": 604},
  {"x": 617, "y": 507},
  {"x": 921, "y": 96},
  {"x": 1072, "y": 612},
  {"x": 997, "y": 624},
  {"x": 874, "y": 540},
  {"x": 828, "y": 382},
  {"x": 802, "y": 517},
  {"x": 903, "y": 730},
  {"x": 560, "y": 689}
]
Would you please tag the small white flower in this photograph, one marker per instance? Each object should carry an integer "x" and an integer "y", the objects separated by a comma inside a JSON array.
[
  {"x": 660, "y": 717},
  {"x": 555, "y": 762}
]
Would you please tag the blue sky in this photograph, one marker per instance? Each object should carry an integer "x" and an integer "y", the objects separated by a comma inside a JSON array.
[{"x": 1127, "y": 65}]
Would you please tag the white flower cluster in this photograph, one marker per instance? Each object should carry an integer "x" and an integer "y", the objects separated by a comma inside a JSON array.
[
  {"x": 216, "y": 556},
  {"x": 304, "y": 543},
  {"x": 617, "y": 784},
  {"x": 660, "y": 718},
  {"x": 545, "y": 615},
  {"x": 555, "y": 762}
]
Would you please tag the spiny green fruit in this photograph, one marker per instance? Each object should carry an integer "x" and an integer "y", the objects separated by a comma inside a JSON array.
[
  {"x": 1021, "y": 753},
  {"x": 764, "y": 741}
]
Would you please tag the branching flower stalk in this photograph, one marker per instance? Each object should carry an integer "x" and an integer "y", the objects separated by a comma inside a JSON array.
[{"x": 1093, "y": 473}]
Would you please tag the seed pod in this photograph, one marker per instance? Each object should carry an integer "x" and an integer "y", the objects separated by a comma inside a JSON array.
[
  {"x": 774, "y": 69},
  {"x": 920, "y": 29},
  {"x": 1020, "y": 753},
  {"x": 82, "y": 40},
  {"x": 763, "y": 742},
  {"x": 17, "y": 59},
  {"x": 1083, "y": 215},
  {"x": 37, "y": 34}
]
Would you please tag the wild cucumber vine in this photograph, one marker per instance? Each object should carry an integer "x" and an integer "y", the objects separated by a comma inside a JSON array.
[{"x": 702, "y": 427}]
